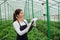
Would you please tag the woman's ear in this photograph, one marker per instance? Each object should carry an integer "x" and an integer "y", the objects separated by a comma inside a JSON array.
[{"x": 17, "y": 16}]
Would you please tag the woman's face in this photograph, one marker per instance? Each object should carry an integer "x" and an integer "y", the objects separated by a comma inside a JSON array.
[{"x": 21, "y": 14}]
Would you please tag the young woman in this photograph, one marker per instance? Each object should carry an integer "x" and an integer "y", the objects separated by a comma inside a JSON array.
[{"x": 21, "y": 25}]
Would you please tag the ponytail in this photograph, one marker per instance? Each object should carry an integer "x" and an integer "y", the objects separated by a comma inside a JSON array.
[{"x": 14, "y": 17}]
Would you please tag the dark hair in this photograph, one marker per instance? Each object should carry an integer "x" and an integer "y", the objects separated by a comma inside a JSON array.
[{"x": 17, "y": 11}]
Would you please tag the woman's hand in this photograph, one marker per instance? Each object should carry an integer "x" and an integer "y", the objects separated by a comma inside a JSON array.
[{"x": 34, "y": 21}]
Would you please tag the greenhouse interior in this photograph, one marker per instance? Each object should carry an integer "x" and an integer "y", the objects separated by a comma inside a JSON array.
[{"x": 48, "y": 14}]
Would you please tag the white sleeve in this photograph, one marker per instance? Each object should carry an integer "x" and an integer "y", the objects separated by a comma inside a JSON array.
[{"x": 17, "y": 28}]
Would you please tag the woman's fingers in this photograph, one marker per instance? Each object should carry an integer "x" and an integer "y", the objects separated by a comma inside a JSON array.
[{"x": 34, "y": 21}]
